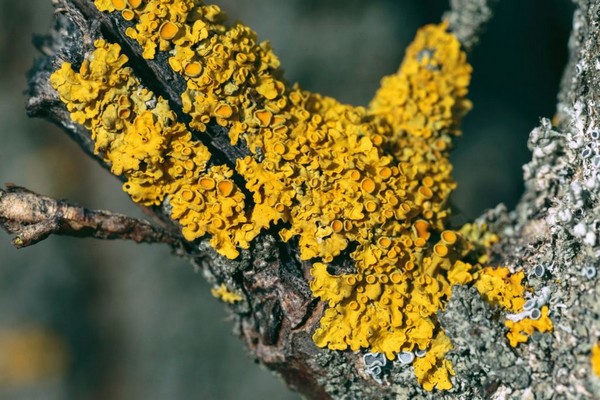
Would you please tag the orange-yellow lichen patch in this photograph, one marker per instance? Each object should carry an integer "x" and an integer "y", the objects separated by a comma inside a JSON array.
[
  {"x": 519, "y": 331},
  {"x": 460, "y": 273},
  {"x": 499, "y": 286},
  {"x": 449, "y": 237},
  {"x": 193, "y": 69},
  {"x": 226, "y": 295},
  {"x": 377, "y": 177},
  {"x": 104, "y": 5},
  {"x": 433, "y": 370},
  {"x": 134, "y": 3},
  {"x": 168, "y": 30},
  {"x": 214, "y": 206},
  {"x": 119, "y": 4},
  {"x": 128, "y": 15},
  {"x": 427, "y": 97},
  {"x": 481, "y": 240},
  {"x": 388, "y": 305},
  {"x": 316, "y": 161},
  {"x": 595, "y": 359},
  {"x": 139, "y": 136}
]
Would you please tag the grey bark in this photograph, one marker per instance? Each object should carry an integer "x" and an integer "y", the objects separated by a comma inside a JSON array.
[{"x": 553, "y": 230}]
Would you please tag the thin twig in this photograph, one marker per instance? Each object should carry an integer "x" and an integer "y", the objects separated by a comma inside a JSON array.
[{"x": 33, "y": 217}]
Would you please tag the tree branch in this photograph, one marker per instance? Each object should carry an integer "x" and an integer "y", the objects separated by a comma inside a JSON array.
[
  {"x": 33, "y": 217},
  {"x": 468, "y": 19}
]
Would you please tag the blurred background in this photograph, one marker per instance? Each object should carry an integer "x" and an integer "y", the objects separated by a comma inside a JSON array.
[{"x": 88, "y": 319}]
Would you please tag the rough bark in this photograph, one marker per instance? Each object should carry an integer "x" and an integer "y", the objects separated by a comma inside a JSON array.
[
  {"x": 555, "y": 225},
  {"x": 552, "y": 230}
]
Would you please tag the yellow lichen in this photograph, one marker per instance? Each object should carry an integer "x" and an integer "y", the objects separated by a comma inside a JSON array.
[
  {"x": 499, "y": 286},
  {"x": 595, "y": 359},
  {"x": 520, "y": 331},
  {"x": 334, "y": 174},
  {"x": 480, "y": 237},
  {"x": 460, "y": 273},
  {"x": 427, "y": 97},
  {"x": 137, "y": 133},
  {"x": 223, "y": 293},
  {"x": 105, "y": 5},
  {"x": 433, "y": 370}
]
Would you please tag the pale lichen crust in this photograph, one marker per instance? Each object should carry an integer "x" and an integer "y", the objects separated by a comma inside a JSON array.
[{"x": 378, "y": 178}]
